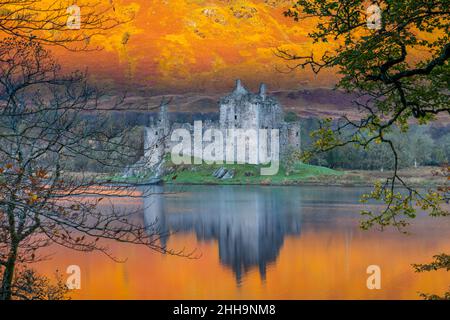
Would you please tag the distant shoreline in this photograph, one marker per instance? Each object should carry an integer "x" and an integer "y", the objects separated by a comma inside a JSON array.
[
  {"x": 303, "y": 175},
  {"x": 293, "y": 184}
]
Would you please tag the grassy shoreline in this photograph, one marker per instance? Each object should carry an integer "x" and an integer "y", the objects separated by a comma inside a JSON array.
[
  {"x": 302, "y": 174},
  {"x": 243, "y": 174}
]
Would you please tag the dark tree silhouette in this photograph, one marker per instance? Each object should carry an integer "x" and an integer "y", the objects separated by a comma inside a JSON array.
[
  {"x": 399, "y": 72},
  {"x": 47, "y": 21},
  {"x": 43, "y": 126}
]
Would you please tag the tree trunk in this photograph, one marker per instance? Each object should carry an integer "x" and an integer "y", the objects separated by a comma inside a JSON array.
[{"x": 8, "y": 275}]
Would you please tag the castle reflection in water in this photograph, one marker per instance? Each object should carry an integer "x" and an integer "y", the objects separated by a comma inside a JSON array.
[{"x": 249, "y": 224}]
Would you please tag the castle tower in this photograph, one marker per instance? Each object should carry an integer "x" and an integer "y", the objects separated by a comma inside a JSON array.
[
  {"x": 239, "y": 89},
  {"x": 262, "y": 91},
  {"x": 240, "y": 109},
  {"x": 293, "y": 134},
  {"x": 228, "y": 107},
  {"x": 163, "y": 120},
  {"x": 155, "y": 136}
]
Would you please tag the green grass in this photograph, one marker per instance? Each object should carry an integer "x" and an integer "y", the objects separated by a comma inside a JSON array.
[
  {"x": 119, "y": 179},
  {"x": 245, "y": 174}
]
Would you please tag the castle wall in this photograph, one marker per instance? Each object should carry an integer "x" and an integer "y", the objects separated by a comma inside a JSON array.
[
  {"x": 271, "y": 115},
  {"x": 248, "y": 118},
  {"x": 227, "y": 115}
]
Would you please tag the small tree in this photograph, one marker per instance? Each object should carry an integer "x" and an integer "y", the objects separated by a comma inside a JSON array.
[{"x": 29, "y": 285}]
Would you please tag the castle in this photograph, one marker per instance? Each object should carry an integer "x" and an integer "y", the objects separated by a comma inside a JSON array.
[{"x": 241, "y": 109}]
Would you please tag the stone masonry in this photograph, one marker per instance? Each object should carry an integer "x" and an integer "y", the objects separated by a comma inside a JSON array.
[{"x": 240, "y": 109}]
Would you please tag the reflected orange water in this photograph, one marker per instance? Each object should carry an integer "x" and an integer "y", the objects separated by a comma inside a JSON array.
[{"x": 328, "y": 260}]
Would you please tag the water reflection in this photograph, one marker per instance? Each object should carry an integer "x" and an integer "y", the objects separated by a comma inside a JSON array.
[
  {"x": 249, "y": 224},
  {"x": 261, "y": 243}
]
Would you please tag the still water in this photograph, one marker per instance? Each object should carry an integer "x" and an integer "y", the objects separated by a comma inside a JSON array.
[{"x": 261, "y": 243}]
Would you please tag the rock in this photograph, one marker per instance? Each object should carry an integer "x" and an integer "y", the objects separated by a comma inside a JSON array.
[
  {"x": 228, "y": 175},
  {"x": 243, "y": 12},
  {"x": 216, "y": 172},
  {"x": 140, "y": 170},
  {"x": 219, "y": 173}
]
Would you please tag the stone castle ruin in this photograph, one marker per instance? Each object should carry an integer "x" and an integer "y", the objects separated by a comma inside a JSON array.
[{"x": 241, "y": 109}]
